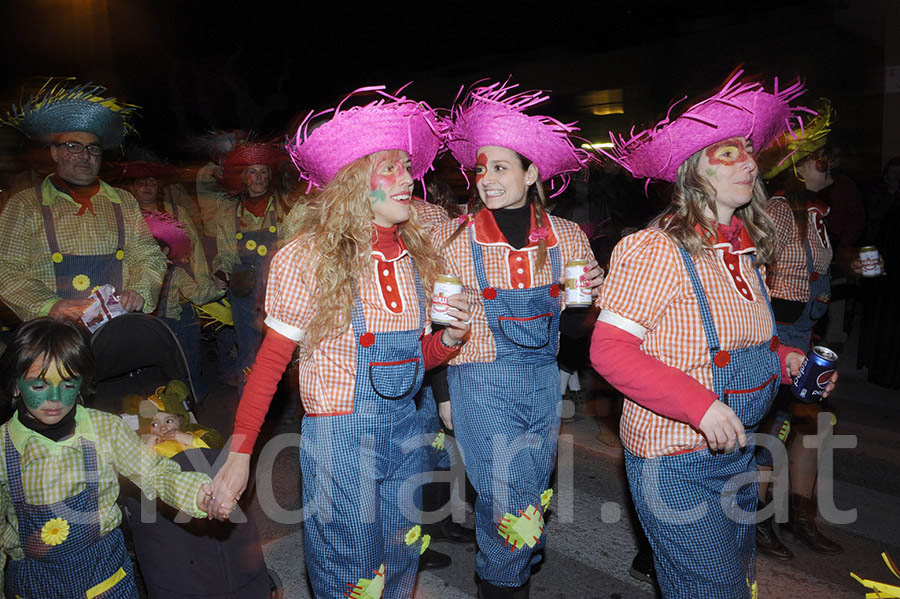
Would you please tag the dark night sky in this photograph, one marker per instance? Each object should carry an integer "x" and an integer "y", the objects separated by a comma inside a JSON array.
[{"x": 193, "y": 66}]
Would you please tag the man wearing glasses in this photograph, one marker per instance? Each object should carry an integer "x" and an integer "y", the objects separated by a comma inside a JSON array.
[{"x": 72, "y": 232}]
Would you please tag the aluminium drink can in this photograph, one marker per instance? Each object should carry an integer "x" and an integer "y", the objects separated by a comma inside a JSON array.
[
  {"x": 869, "y": 262},
  {"x": 578, "y": 291},
  {"x": 444, "y": 286},
  {"x": 815, "y": 372}
]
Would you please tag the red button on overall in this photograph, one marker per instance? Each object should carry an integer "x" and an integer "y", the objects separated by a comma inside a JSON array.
[
  {"x": 367, "y": 339},
  {"x": 554, "y": 290},
  {"x": 813, "y": 276},
  {"x": 489, "y": 293},
  {"x": 722, "y": 358},
  {"x": 774, "y": 344}
]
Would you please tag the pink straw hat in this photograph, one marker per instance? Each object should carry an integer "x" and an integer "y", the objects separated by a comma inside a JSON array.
[
  {"x": 390, "y": 123},
  {"x": 488, "y": 117},
  {"x": 173, "y": 233},
  {"x": 736, "y": 110}
]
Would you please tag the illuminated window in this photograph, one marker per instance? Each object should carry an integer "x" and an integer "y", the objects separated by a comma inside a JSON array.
[{"x": 602, "y": 102}]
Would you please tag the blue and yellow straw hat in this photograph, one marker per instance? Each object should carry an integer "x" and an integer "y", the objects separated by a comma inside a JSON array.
[{"x": 62, "y": 105}]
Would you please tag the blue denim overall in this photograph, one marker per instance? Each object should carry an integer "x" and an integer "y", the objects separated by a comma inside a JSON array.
[
  {"x": 255, "y": 250},
  {"x": 799, "y": 333},
  {"x": 506, "y": 418},
  {"x": 77, "y": 567},
  {"x": 697, "y": 508},
  {"x": 76, "y": 276},
  {"x": 362, "y": 472}
]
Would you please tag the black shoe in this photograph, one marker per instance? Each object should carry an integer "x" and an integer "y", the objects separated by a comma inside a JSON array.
[
  {"x": 642, "y": 567},
  {"x": 768, "y": 543},
  {"x": 448, "y": 530},
  {"x": 433, "y": 560}
]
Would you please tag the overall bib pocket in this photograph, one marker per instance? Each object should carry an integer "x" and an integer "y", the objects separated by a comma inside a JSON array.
[
  {"x": 532, "y": 332},
  {"x": 394, "y": 380}
]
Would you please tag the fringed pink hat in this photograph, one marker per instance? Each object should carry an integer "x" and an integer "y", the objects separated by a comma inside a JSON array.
[
  {"x": 173, "y": 233},
  {"x": 487, "y": 116},
  {"x": 248, "y": 153},
  {"x": 736, "y": 110},
  {"x": 390, "y": 123}
]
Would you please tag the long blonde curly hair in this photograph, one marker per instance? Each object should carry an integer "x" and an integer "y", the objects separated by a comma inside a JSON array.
[
  {"x": 338, "y": 224},
  {"x": 693, "y": 195}
]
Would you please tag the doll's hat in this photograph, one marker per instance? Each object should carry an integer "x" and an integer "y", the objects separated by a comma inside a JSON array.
[
  {"x": 61, "y": 105},
  {"x": 738, "y": 109},
  {"x": 248, "y": 153},
  {"x": 392, "y": 122},
  {"x": 489, "y": 115},
  {"x": 173, "y": 233},
  {"x": 792, "y": 146}
]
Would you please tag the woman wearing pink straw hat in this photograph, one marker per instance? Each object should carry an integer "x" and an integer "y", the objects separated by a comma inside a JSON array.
[
  {"x": 350, "y": 292},
  {"x": 686, "y": 332},
  {"x": 509, "y": 255}
]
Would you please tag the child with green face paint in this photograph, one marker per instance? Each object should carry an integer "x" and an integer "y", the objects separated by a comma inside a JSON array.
[{"x": 59, "y": 467}]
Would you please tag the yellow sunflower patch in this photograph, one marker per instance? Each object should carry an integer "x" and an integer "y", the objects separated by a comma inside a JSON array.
[
  {"x": 438, "y": 442},
  {"x": 81, "y": 282},
  {"x": 426, "y": 541},
  {"x": 55, "y": 531},
  {"x": 546, "y": 496},
  {"x": 413, "y": 535}
]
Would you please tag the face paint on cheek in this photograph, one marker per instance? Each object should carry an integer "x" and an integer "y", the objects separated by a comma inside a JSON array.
[
  {"x": 377, "y": 195},
  {"x": 480, "y": 168},
  {"x": 379, "y": 181},
  {"x": 52, "y": 387},
  {"x": 711, "y": 172}
]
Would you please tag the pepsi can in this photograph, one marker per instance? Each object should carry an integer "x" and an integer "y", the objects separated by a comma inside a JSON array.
[{"x": 816, "y": 371}]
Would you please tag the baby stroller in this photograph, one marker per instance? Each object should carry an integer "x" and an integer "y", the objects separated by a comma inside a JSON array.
[{"x": 136, "y": 354}]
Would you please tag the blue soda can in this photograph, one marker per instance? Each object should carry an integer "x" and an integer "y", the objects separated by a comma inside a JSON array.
[{"x": 816, "y": 371}]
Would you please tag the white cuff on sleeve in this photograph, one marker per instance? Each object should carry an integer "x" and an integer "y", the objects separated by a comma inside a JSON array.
[
  {"x": 292, "y": 333},
  {"x": 629, "y": 326}
]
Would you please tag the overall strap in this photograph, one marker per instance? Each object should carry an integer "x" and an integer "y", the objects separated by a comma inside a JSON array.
[
  {"x": 13, "y": 471},
  {"x": 477, "y": 259},
  {"x": 555, "y": 263},
  {"x": 120, "y": 224},
  {"x": 765, "y": 294},
  {"x": 420, "y": 294},
  {"x": 47, "y": 217},
  {"x": 709, "y": 327},
  {"x": 357, "y": 318}
]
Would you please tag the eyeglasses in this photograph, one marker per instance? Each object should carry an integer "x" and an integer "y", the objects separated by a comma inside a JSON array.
[{"x": 75, "y": 147}]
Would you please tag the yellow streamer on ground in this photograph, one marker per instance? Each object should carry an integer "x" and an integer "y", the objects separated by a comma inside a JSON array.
[{"x": 882, "y": 590}]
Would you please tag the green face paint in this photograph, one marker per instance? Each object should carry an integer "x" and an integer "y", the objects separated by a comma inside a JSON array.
[
  {"x": 711, "y": 172},
  {"x": 51, "y": 387},
  {"x": 377, "y": 195}
]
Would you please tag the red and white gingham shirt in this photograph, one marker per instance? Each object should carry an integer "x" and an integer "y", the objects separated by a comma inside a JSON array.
[
  {"x": 506, "y": 268},
  {"x": 389, "y": 301},
  {"x": 790, "y": 276},
  {"x": 430, "y": 215},
  {"x": 648, "y": 292}
]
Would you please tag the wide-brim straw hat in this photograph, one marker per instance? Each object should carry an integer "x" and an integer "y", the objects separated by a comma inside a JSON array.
[
  {"x": 794, "y": 145},
  {"x": 489, "y": 115},
  {"x": 60, "y": 106},
  {"x": 392, "y": 122},
  {"x": 248, "y": 153},
  {"x": 738, "y": 109}
]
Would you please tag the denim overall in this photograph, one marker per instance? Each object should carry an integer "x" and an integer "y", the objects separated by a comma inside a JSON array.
[
  {"x": 255, "y": 250},
  {"x": 76, "y": 276},
  {"x": 799, "y": 333},
  {"x": 701, "y": 525},
  {"x": 85, "y": 564},
  {"x": 187, "y": 326},
  {"x": 362, "y": 471},
  {"x": 506, "y": 418}
]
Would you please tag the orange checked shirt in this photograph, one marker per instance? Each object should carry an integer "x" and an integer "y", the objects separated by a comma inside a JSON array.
[
  {"x": 505, "y": 266},
  {"x": 790, "y": 276},
  {"x": 648, "y": 293},
  {"x": 430, "y": 215},
  {"x": 389, "y": 301}
]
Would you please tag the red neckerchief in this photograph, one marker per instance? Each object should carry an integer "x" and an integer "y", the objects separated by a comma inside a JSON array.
[
  {"x": 734, "y": 236},
  {"x": 80, "y": 193},
  {"x": 488, "y": 233},
  {"x": 387, "y": 242},
  {"x": 256, "y": 206}
]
